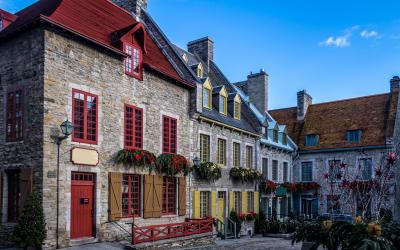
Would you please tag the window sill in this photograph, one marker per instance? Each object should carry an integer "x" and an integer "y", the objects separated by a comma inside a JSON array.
[{"x": 168, "y": 215}]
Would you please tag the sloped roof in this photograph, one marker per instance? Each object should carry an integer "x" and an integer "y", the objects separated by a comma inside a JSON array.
[
  {"x": 374, "y": 115},
  {"x": 94, "y": 20}
]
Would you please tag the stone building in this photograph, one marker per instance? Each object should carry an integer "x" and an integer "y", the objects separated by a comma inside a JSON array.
[
  {"x": 95, "y": 64},
  {"x": 355, "y": 134}
]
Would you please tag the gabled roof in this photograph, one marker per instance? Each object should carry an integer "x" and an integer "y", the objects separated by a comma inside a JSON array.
[
  {"x": 94, "y": 20},
  {"x": 7, "y": 16},
  {"x": 374, "y": 115}
]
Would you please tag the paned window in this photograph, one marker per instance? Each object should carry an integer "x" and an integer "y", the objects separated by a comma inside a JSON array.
[
  {"x": 237, "y": 111},
  {"x": 275, "y": 170},
  {"x": 84, "y": 114},
  {"x": 207, "y": 98},
  {"x": 249, "y": 156},
  {"x": 365, "y": 168},
  {"x": 131, "y": 195},
  {"x": 221, "y": 152},
  {"x": 204, "y": 204},
  {"x": 285, "y": 172},
  {"x": 265, "y": 167},
  {"x": 306, "y": 171},
  {"x": 250, "y": 202},
  {"x": 275, "y": 134},
  {"x": 169, "y": 195},
  {"x": 170, "y": 130},
  {"x": 311, "y": 140},
  {"x": 15, "y": 119},
  {"x": 237, "y": 201},
  {"x": 354, "y": 136},
  {"x": 236, "y": 154},
  {"x": 133, "y": 127},
  {"x": 222, "y": 104},
  {"x": 204, "y": 148},
  {"x": 133, "y": 61}
]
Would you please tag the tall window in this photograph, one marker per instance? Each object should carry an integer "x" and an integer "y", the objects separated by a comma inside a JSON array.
[
  {"x": 15, "y": 119},
  {"x": 13, "y": 209},
  {"x": 334, "y": 170},
  {"x": 222, "y": 104},
  {"x": 221, "y": 152},
  {"x": 275, "y": 170},
  {"x": 250, "y": 202},
  {"x": 285, "y": 172},
  {"x": 236, "y": 110},
  {"x": 169, "y": 195},
  {"x": 311, "y": 140},
  {"x": 207, "y": 100},
  {"x": 275, "y": 135},
  {"x": 237, "y": 201},
  {"x": 133, "y": 61},
  {"x": 204, "y": 148},
  {"x": 84, "y": 115},
  {"x": 354, "y": 136},
  {"x": 130, "y": 195},
  {"x": 133, "y": 127},
  {"x": 170, "y": 134},
  {"x": 236, "y": 154},
  {"x": 365, "y": 168},
  {"x": 306, "y": 171},
  {"x": 249, "y": 156},
  {"x": 200, "y": 71},
  {"x": 204, "y": 204},
  {"x": 265, "y": 167},
  {"x": 284, "y": 138}
]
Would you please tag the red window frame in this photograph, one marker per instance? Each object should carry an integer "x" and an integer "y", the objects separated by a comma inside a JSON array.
[
  {"x": 169, "y": 196},
  {"x": 131, "y": 198},
  {"x": 169, "y": 135},
  {"x": 15, "y": 116},
  {"x": 81, "y": 117},
  {"x": 133, "y": 127},
  {"x": 132, "y": 59}
]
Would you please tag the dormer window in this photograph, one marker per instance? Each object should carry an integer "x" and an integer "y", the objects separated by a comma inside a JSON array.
[
  {"x": 237, "y": 107},
  {"x": 284, "y": 138},
  {"x": 223, "y": 98},
  {"x": 133, "y": 60},
  {"x": 354, "y": 136},
  {"x": 185, "y": 58},
  {"x": 200, "y": 71},
  {"x": 207, "y": 93},
  {"x": 275, "y": 135},
  {"x": 311, "y": 140}
]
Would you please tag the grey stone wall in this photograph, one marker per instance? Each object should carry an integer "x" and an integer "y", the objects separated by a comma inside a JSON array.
[
  {"x": 279, "y": 155},
  {"x": 70, "y": 63}
]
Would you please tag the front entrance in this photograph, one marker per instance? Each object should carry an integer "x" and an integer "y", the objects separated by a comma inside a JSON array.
[
  {"x": 82, "y": 200},
  {"x": 221, "y": 205}
]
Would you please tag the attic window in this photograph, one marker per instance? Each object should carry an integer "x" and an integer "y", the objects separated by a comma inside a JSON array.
[
  {"x": 237, "y": 107},
  {"x": 200, "y": 71},
  {"x": 354, "y": 136},
  {"x": 133, "y": 60},
  {"x": 207, "y": 90},
  {"x": 185, "y": 58},
  {"x": 311, "y": 140},
  {"x": 223, "y": 98},
  {"x": 275, "y": 135},
  {"x": 284, "y": 138}
]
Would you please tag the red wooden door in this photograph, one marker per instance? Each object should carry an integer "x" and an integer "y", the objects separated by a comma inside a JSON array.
[{"x": 82, "y": 200}]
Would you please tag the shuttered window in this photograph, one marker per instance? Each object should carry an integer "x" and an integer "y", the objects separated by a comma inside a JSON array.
[
  {"x": 133, "y": 60},
  {"x": 204, "y": 204},
  {"x": 169, "y": 195},
  {"x": 250, "y": 202},
  {"x": 249, "y": 156},
  {"x": 237, "y": 202},
  {"x": 275, "y": 170},
  {"x": 170, "y": 133},
  {"x": 236, "y": 154},
  {"x": 221, "y": 152},
  {"x": 84, "y": 114},
  {"x": 182, "y": 196},
  {"x": 15, "y": 119},
  {"x": 204, "y": 148},
  {"x": 133, "y": 127},
  {"x": 131, "y": 195}
]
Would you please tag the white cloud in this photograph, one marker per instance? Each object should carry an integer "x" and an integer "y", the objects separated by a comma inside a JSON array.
[
  {"x": 340, "y": 41},
  {"x": 368, "y": 34}
]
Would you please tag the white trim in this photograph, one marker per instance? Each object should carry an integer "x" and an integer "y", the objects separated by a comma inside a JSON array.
[
  {"x": 236, "y": 190},
  {"x": 222, "y": 189},
  {"x": 204, "y": 189}
]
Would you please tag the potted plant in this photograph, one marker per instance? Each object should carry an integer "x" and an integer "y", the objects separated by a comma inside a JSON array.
[
  {"x": 136, "y": 158},
  {"x": 172, "y": 164},
  {"x": 209, "y": 171}
]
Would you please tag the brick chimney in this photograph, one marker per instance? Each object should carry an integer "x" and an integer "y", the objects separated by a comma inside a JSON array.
[
  {"x": 133, "y": 6},
  {"x": 304, "y": 100},
  {"x": 203, "y": 48},
  {"x": 257, "y": 89},
  {"x": 394, "y": 83}
]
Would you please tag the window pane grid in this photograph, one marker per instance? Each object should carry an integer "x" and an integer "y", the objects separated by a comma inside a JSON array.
[
  {"x": 237, "y": 202},
  {"x": 306, "y": 171},
  {"x": 236, "y": 154},
  {"x": 249, "y": 156},
  {"x": 14, "y": 116},
  {"x": 170, "y": 128},
  {"x": 204, "y": 204},
  {"x": 84, "y": 117},
  {"x": 204, "y": 148},
  {"x": 275, "y": 170},
  {"x": 250, "y": 202},
  {"x": 131, "y": 195},
  {"x": 222, "y": 152},
  {"x": 285, "y": 171},
  {"x": 168, "y": 206}
]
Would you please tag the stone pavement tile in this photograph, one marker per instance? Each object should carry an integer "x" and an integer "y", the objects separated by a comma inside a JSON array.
[{"x": 99, "y": 246}]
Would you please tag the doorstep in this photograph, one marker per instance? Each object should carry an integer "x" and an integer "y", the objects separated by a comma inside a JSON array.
[{"x": 83, "y": 241}]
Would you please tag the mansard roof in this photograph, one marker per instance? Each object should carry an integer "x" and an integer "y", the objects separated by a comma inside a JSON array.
[
  {"x": 93, "y": 20},
  {"x": 374, "y": 115}
]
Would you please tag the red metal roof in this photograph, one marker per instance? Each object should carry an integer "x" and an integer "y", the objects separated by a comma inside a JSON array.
[{"x": 95, "y": 20}]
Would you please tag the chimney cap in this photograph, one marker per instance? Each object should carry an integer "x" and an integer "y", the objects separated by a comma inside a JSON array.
[
  {"x": 203, "y": 39},
  {"x": 396, "y": 78}
]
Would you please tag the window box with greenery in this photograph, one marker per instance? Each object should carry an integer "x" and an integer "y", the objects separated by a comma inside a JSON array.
[
  {"x": 245, "y": 174},
  {"x": 172, "y": 164},
  {"x": 209, "y": 171},
  {"x": 135, "y": 158}
]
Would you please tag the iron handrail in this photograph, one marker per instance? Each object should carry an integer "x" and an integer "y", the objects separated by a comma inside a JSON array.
[{"x": 234, "y": 226}]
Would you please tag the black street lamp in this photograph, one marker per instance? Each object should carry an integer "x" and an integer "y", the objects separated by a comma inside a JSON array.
[
  {"x": 196, "y": 162},
  {"x": 66, "y": 128}
]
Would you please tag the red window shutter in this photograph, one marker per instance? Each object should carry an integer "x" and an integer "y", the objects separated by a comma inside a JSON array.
[
  {"x": 84, "y": 115},
  {"x": 133, "y": 124},
  {"x": 14, "y": 116}
]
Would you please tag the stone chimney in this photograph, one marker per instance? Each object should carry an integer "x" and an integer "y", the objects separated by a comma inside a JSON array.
[
  {"x": 203, "y": 48},
  {"x": 133, "y": 6},
  {"x": 304, "y": 100},
  {"x": 394, "y": 83},
  {"x": 257, "y": 89}
]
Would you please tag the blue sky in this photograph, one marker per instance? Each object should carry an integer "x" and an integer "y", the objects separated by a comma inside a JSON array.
[{"x": 333, "y": 49}]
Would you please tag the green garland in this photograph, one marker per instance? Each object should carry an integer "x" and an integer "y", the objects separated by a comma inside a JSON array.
[
  {"x": 209, "y": 171},
  {"x": 172, "y": 164},
  {"x": 245, "y": 174}
]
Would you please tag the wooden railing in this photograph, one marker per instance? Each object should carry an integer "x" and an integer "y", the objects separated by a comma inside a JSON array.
[{"x": 168, "y": 231}]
